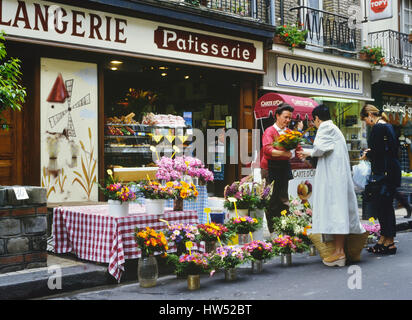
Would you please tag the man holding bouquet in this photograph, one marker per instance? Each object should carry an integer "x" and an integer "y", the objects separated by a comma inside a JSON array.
[{"x": 275, "y": 158}]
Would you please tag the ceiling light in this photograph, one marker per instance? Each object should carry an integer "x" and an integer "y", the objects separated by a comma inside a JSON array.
[
  {"x": 163, "y": 68},
  {"x": 164, "y": 74},
  {"x": 114, "y": 68},
  {"x": 116, "y": 62},
  {"x": 187, "y": 77}
]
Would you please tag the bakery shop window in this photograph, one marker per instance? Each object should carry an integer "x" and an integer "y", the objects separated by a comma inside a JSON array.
[{"x": 147, "y": 102}]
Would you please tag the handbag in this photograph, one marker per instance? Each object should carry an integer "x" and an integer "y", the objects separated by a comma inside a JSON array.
[{"x": 376, "y": 186}]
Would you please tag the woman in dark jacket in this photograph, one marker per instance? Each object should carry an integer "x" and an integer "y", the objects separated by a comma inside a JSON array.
[{"x": 383, "y": 155}]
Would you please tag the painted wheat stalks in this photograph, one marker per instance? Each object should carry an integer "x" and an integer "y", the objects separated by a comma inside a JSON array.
[
  {"x": 62, "y": 181},
  {"x": 87, "y": 177},
  {"x": 46, "y": 183}
]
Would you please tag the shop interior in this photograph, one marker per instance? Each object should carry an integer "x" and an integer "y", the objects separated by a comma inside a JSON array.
[{"x": 137, "y": 92}]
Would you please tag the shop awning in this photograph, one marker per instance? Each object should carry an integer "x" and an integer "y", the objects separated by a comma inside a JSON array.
[{"x": 269, "y": 102}]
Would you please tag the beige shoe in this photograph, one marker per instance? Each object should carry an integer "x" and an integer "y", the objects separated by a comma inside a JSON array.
[{"x": 335, "y": 260}]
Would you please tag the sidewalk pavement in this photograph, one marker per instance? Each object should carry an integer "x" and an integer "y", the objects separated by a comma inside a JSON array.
[{"x": 77, "y": 274}]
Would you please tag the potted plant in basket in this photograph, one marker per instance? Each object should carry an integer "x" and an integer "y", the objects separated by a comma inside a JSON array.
[
  {"x": 118, "y": 196},
  {"x": 291, "y": 35},
  {"x": 227, "y": 258},
  {"x": 374, "y": 55},
  {"x": 156, "y": 195},
  {"x": 258, "y": 251},
  {"x": 150, "y": 242}
]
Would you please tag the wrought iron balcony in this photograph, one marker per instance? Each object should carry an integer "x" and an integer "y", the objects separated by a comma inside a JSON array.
[
  {"x": 328, "y": 31},
  {"x": 396, "y": 46}
]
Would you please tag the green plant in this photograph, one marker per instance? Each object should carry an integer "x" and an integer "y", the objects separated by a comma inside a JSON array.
[
  {"x": 12, "y": 94},
  {"x": 193, "y": 2},
  {"x": 293, "y": 35},
  {"x": 375, "y": 55}
]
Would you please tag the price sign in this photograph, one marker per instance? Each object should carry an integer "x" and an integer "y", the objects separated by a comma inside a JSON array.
[
  {"x": 189, "y": 246},
  {"x": 21, "y": 193}
]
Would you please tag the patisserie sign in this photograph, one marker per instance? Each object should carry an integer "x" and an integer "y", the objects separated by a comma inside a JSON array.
[{"x": 58, "y": 23}]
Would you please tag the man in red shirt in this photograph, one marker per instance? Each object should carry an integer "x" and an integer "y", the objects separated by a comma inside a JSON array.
[{"x": 277, "y": 163}]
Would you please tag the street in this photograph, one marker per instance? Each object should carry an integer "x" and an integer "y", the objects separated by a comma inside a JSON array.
[{"x": 373, "y": 278}]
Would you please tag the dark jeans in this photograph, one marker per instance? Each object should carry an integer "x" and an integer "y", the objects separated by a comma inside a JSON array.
[{"x": 280, "y": 172}]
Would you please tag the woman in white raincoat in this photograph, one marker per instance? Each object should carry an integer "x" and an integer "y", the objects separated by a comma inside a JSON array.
[{"x": 335, "y": 208}]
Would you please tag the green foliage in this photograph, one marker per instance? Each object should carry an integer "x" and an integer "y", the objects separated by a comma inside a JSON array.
[
  {"x": 193, "y": 2},
  {"x": 375, "y": 55},
  {"x": 12, "y": 94},
  {"x": 293, "y": 35}
]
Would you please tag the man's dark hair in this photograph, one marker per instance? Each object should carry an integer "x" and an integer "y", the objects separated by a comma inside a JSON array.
[
  {"x": 322, "y": 112},
  {"x": 283, "y": 107}
]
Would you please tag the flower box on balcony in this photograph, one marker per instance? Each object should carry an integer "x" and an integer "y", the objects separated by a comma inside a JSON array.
[
  {"x": 279, "y": 40},
  {"x": 364, "y": 56},
  {"x": 410, "y": 38}
]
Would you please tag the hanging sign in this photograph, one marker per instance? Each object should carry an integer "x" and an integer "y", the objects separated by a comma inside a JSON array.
[{"x": 380, "y": 9}]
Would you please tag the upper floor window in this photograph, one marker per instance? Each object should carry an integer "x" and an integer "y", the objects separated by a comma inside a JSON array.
[{"x": 406, "y": 16}]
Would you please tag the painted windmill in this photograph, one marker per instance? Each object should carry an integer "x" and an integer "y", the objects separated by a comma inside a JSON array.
[{"x": 61, "y": 92}]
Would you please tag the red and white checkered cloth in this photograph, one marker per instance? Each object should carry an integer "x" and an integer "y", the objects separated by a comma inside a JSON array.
[{"x": 93, "y": 235}]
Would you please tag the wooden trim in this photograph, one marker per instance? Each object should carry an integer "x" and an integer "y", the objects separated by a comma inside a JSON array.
[{"x": 100, "y": 125}]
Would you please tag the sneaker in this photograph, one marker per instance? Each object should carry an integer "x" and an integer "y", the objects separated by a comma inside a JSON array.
[{"x": 335, "y": 260}]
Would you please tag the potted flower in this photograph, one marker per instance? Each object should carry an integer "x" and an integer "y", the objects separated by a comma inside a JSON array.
[
  {"x": 118, "y": 196},
  {"x": 210, "y": 232},
  {"x": 245, "y": 198},
  {"x": 183, "y": 191},
  {"x": 180, "y": 233},
  {"x": 285, "y": 245},
  {"x": 374, "y": 55},
  {"x": 243, "y": 226},
  {"x": 156, "y": 195},
  {"x": 167, "y": 170},
  {"x": 150, "y": 242},
  {"x": 227, "y": 258},
  {"x": 192, "y": 265},
  {"x": 262, "y": 192},
  {"x": 258, "y": 251},
  {"x": 291, "y": 35}
]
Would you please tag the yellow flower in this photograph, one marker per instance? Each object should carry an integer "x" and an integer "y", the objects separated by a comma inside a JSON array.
[
  {"x": 283, "y": 213},
  {"x": 169, "y": 184},
  {"x": 372, "y": 220}
]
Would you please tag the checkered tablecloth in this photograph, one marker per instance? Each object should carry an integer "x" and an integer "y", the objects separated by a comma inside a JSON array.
[
  {"x": 197, "y": 205},
  {"x": 92, "y": 234}
]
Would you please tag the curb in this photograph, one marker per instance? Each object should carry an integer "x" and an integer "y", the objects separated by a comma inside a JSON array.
[{"x": 29, "y": 285}]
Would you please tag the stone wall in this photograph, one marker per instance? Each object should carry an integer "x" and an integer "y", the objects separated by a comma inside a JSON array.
[{"x": 23, "y": 230}]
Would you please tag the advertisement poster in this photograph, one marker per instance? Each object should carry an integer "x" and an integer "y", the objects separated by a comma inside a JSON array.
[
  {"x": 301, "y": 186},
  {"x": 68, "y": 130}
]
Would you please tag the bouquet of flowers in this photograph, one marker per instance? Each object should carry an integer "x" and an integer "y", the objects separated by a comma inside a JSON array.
[
  {"x": 287, "y": 244},
  {"x": 227, "y": 257},
  {"x": 115, "y": 190},
  {"x": 374, "y": 229},
  {"x": 192, "y": 264},
  {"x": 184, "y": 190},
  {"x": 263, "y": 192},
  {"x": 151, "y": 242},
  {"x": 301, "y": 209},
  {"x": 289, "y": 224},
  {"x": 242, "y": 225},
  {"x": 242, "y": 192},
  {"x": 289, "y": 140},
  {"x": 154, "y": 190},
  {"x": 167, "y": 170},
  {"x": 180, "y": 233},
  {"x": 259, "y": 250},
  {"x": 211, "y": 231}
]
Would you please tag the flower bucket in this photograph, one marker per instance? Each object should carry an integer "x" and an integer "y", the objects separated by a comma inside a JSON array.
[
  {"x": 178, "y": 205},
  {"x": 312, "y": 250},
  {"x": 193, "y": 282},
  {"x": 147, "y": 272},
  {"x": 155, "y": 206},
  {"x": 286, "y": 259},
  {"x": 230, "y": 274},
  {"x": 259, "y": 213},
  {"x": 243, "y": 238},
  {"x": 257, "y": 266},
  {"x": 118, "y": 208}
]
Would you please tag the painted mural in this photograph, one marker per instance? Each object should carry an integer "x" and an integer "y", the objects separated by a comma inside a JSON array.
[{"x": 69, "y": 130}]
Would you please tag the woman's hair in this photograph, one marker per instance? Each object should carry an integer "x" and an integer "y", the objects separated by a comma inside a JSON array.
[
  {"x": 371, "y": 109},
  {"x": 283, "y": 107},
  {"x": 322, "y": 112}
]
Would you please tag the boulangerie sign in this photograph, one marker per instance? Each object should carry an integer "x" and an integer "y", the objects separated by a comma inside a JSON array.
[
  {"x": 58, "y": 23},
  {"x": 380, "y": 9}
]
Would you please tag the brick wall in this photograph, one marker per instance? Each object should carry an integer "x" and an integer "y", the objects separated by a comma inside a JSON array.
[{"x": 23, "y": 230}]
